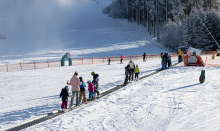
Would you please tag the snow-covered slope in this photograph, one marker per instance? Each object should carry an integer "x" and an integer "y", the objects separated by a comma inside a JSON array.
[
  {"x": 42, "y": 32},
  {"x": 172, "y": 100}
]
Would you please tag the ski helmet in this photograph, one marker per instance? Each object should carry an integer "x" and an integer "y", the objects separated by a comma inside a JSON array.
[
  {"x": 89, "y": 81},
  {"x": 67, "y": 88},
  {"x": 92, "y": 73}
]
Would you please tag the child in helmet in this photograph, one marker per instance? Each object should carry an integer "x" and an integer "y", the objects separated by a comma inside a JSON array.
[
  {"x": 91, "y": 90},
  {"x": 64, "y": 94},
  {"x": 137, "y": 71}
]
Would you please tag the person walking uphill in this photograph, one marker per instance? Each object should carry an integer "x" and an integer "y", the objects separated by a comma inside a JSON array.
[
  {"x": 82, "y": 92},
  {"x": 180, "y": 55},
  {"x": 95, "y": 82},
  {"x": 64, "y": 94},
  {"x": 137, "y": 71},
  {"x": 127, "y": 72},
  {"x": 132, "y": 67},
  {"x": 75, "y": 82},
  {"x": 144, "y": 56}
]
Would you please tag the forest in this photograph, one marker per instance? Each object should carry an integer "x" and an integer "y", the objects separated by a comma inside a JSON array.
[{"x": 192, "y": 23}]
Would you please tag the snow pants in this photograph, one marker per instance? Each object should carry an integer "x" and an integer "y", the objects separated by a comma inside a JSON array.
[
  {"x": 180, "y": 59},
  {"x": 163, "y": 65},
  {"x": 121, "y": 61},
  {"x": 82, "y": 94},
  {"x": 136, "y": 75},
  {"x": 126, "y": 79},
  {"x": 91, "y": 95},
  {"x": 131, "y": 74},
  {"x": 64, "y": 104},
  {"x": 77, "y": 97}
]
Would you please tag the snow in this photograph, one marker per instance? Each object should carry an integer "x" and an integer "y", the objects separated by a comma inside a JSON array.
[{"x": 170, "y": 100}]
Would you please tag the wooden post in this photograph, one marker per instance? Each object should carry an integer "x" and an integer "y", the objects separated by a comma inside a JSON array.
[
  {"x": 82, "y": 61},
  {"x": 152, "y": 57},
  {"x": 130, "y": 56},
  {"x": 112, "y": 58},
  {"x": 146, "y": 56},
  {"x": 20, "y": 65},
  {"x": 48, "y": 64},
  {"x": 92, "y": 60},
  {"x": 103, "y": 59},
  {"x": 34, "y": 66},
  {"x": 137, "y": 57},
  {"x": 7, "y": 67}
]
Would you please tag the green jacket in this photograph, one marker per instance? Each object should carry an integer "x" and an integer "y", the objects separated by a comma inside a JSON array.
[{"x": 137, "y": 70}]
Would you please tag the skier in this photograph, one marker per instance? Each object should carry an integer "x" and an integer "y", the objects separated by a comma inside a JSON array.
[
  {"x": 144, "y": 55},
  {"x": 109, "y": 60},
  {"x": 161, "y": 55},
  {"x": 95, "y": 82},
  {"x": 64, "y": 94},
  {"x": 132, "y": 67},
  {"x": 82, "y": 92},
  {"x": 165, "y": 59},
  {"x": 121, "y": 58},
  {"x": 127, "y": 72},
  {"x": 75, "y": 82},
  {"x": 137, "y": 71},
  {"x": 168, "y": 60},
  {"x": 163, "y": 63},
  {"x": 180, "y": 56},
  {"x": 91, "y": 90}
]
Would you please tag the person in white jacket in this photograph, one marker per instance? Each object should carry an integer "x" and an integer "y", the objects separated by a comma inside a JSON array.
[{"x": 132, "y": 68}]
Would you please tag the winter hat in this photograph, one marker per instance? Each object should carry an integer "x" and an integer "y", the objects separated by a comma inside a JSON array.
[
  {"x": 136, "y": 65},
  {"x": 67, "y": 88},
  {"x": 81, "y": 79},
  {"x": 76, "y": 73},
  {"x": 92, "y": 73},
  {"x": 89, "y": 81}
]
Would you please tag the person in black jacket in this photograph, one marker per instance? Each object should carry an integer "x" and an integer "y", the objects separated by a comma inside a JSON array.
[
  {"x": 144, "y": 56},
  {"x": 165, "y": 58},
  {"x": 127, "y": 72},
  {"x": 64, "y": 94}
]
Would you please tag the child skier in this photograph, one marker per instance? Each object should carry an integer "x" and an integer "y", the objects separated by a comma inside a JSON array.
[
  {"x": 127, "y": 72},
  {"x": 82, "y": 92},
  {"x": 109, "y": 60},
  {"x": 137, "y": 71},
  {"x": 64, "y": 93},
  {"x": 91, "y": 90},
  {"x": 95, "y": 82},
  {"x": 121, "y": 58},
  {"x": 163, "y": 63}
]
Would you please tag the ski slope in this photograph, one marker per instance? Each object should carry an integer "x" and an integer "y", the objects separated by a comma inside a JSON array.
[{"x": 172, "y": 100}]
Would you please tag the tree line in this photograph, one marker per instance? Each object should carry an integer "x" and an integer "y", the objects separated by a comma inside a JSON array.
[{"x": 173, "y": 22}]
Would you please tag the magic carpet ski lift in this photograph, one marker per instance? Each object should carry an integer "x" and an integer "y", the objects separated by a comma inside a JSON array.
[{"x": 193, "y": 58}]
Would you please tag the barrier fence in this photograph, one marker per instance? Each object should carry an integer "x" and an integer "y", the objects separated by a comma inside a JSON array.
[{"x": 81, "y": 61}]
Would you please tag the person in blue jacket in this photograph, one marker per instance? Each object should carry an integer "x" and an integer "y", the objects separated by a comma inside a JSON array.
[{"x": 82, "y": 92}]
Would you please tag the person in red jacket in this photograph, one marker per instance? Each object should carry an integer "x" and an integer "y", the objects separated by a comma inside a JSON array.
[
  {"x": 121, "y": 58},
  {"x": 92, "y": 90}
]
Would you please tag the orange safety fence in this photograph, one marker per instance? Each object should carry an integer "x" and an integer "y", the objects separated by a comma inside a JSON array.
[{"x": 81, "y": 61}]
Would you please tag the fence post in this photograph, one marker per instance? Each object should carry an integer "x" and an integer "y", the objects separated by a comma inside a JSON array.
[
  {"x": 92, "y": 60},
  {"x": 82, "y": 61},
  {"x": 48, "y": 64},
  {"x": 20, "y": 65},
  {"x": 146, "y": 56},
  {"x": 130, "y": 56},
  {"x": 112, "y": 58},
  {"x": 34, "y": 65},
  {"x": 7, "y": 67},
  {"x": 152, "y": 57},
  {"x": 137, "y": 57},
  {"x": 103, "y": 59}
]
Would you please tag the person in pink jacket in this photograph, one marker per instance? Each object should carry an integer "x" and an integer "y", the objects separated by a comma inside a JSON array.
[
  {"x": 91, "y": 90},
  {"x": 75, "y": 82}
]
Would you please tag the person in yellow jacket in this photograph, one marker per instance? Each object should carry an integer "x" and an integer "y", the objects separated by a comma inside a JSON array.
[
  {"x": 137, "y": 71},
  {"x": 180, "y": 55}
]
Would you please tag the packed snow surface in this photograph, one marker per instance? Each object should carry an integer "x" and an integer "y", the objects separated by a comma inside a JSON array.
[{"x": 170, "y": 100}]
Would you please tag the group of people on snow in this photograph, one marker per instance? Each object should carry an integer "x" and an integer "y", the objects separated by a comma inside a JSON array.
[
  {"x": 78, "y": 88},
  {"x": 166, "y": 60},
  {"x": 130, "y": 70}
]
